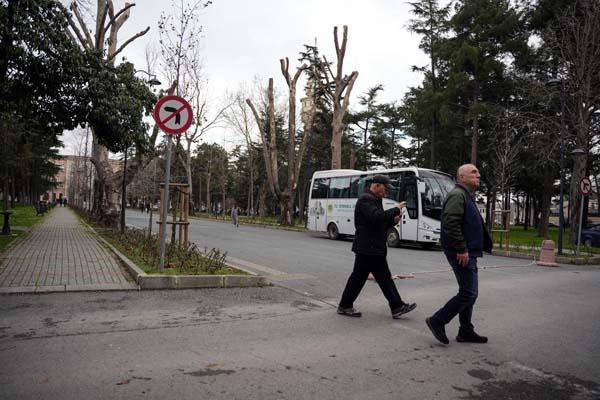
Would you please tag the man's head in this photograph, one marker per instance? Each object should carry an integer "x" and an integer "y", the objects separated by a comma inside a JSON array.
[
  {"x": 468, "y": 176},
  {"x": 380, "y": 185}
]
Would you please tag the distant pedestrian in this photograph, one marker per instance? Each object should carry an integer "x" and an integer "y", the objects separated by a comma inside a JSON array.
[
  {"x": 65, "y": 202},
  {"x": 235, "y": 218},
  {"x": 370, "y": 246},
  {"x": 463, "y": 238},
  {"x": 142, "y": 207},
  {"x": 148, "y": 207}
]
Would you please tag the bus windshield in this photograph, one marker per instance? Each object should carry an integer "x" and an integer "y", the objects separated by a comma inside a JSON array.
[{"x": 437, "y": 187}]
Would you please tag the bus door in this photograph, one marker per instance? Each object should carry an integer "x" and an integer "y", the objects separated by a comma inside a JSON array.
[
  {"x": 317, "y": 212},
  {"x": 410, "y": 215}
]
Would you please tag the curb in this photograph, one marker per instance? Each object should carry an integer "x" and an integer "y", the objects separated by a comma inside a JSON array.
[
  {"x": 559, "y": 259},
  {"x": 153, "y": 281},
  {"x": 258, "y": 225}
]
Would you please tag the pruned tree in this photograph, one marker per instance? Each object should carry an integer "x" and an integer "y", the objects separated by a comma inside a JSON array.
[
  {"x": 337, "y": 87},
  {"x": 285, "y": 197}
]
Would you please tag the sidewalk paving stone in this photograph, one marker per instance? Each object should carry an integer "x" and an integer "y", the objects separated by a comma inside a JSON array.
[{"x": 61, "y": 255}]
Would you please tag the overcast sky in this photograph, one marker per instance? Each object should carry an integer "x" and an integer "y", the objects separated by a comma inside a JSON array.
[{"x": 243, "y": 39}]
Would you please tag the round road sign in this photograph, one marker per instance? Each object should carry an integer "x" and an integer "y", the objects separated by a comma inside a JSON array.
[
  {"x": 173, "y": 114},
  {"x": 585, "y": 186}
]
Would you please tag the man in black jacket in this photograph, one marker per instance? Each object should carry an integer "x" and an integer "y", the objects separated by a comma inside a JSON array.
[
  {"x": 370, "y": 247},
  {"x": 463, "y": 238}
]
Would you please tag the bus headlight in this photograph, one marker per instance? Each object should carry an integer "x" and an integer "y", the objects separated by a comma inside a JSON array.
[{"x": 426, "y": 226}]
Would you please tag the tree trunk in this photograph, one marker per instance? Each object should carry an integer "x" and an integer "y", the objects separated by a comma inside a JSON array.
[
  {"x": 579, "y": 171},
  {"x": 527, "y": 220},
  {"x": 340, "y": 99},
  {"x": 188, "y": 168},
  {"x": 336, "y": 138},
  {"x": 475, "y": 116}
]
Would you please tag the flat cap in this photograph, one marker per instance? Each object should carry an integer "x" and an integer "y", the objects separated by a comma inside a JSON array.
[{"x": 384, "y": 180}]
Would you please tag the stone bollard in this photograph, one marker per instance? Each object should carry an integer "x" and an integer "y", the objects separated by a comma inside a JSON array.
[{"x": 547, "y": 258}]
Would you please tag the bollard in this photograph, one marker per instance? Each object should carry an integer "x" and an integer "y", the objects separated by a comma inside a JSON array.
[{"x": 547, "y": 258}]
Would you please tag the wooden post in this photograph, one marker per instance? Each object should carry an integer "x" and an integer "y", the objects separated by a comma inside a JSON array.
[
  {"x": 181, "y": 208},
  {"x": 186, "y": 215}
]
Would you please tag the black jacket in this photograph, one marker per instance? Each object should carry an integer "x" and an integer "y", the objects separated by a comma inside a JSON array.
[{"x": 371, "y": 224}]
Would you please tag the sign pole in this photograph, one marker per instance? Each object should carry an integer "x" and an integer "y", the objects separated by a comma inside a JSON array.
[
  {"x": 173, "y": 114},
  {"x": 165, "y": 211},
  {"x": 580, "y": 222}
]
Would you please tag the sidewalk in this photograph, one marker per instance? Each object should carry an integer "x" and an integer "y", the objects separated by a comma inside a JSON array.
[{"x": 60, "y": 255}]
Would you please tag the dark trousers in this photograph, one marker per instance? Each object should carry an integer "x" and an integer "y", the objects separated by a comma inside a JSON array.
[
  {"x": 462, "y": 303},
  {"x": 378, "y": 266}
]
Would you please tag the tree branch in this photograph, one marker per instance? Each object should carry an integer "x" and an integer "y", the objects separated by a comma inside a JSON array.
[
  {"x": 113, "y": 18},
  {"x": 75, "y": 9},
  {"x": 142, "y": 33},
  {"x": 73, "y": 26}
]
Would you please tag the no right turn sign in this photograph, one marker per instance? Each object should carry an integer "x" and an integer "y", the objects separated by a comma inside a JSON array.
[{"x": 585, "y": 186}]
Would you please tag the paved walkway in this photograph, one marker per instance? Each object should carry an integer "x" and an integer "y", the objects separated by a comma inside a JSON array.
[{"x": 60, "y": 255}]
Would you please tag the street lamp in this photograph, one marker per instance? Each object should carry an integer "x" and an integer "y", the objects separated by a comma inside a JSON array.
[
  {"x": 561, "y": 216},
  {"x": 152, "y": 81}
]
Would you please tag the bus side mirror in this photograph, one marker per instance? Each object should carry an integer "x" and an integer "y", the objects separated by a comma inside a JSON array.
[{"x": 421, "y": 186}]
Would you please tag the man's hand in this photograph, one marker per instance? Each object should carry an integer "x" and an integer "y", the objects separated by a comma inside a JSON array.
[
  {"x": 397, "y": 219},
  {"x": 463, "y": 258},
  {"x": 401, "y": 205}
]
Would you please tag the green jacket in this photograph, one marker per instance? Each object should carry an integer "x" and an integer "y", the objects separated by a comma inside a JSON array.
[{"x": 462, "y": 226}]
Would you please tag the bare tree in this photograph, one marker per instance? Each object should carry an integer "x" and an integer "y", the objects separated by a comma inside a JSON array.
[
  {"x": 338, "y": 88},
  {"x": 238, "y": 118},
  {"x": 182, "y": 62},
  {"x": 285, "y": 197}
]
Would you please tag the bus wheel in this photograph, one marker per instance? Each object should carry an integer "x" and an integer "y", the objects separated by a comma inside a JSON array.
[
  {"x": 393, "y": 239},
  {"x": 332, "y": 231}
]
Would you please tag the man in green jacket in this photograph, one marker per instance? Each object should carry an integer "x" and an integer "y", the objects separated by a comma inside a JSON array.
[{"x": 463, "y": 238}]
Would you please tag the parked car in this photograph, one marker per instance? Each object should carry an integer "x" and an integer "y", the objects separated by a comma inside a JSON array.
[{"x": 590, "y": 235}]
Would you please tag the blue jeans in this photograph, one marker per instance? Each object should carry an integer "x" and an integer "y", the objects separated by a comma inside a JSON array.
[{"x": 462, "y": 303}]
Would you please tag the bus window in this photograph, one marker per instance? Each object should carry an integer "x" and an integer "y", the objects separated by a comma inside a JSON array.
[
  {"x": 320, "y": 188},
  {"x": 362, "y": 184},
  {"x": 339, "y": 188},
  {"x": 437, "y": 187}
]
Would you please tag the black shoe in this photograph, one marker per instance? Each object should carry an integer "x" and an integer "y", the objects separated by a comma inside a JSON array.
[
  {"x": 438, "y": 330},
  {"x": 470, "y": 337},
  {"x": 403, "y": 309},
  {"x": 350, "y": 312}
]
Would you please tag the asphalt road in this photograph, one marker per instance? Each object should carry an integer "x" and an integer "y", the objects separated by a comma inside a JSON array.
[
  {"x": 310, "y": 262},
  {"x": 276, "y": 343}
]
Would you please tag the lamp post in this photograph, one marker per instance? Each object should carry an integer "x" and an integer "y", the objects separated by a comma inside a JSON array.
[
  {"x": 561, "y": 215},
  {"x": 152, "y": 81}
]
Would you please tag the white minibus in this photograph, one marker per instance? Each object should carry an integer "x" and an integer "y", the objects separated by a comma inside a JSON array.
[{"x": 334, "y": 193}]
